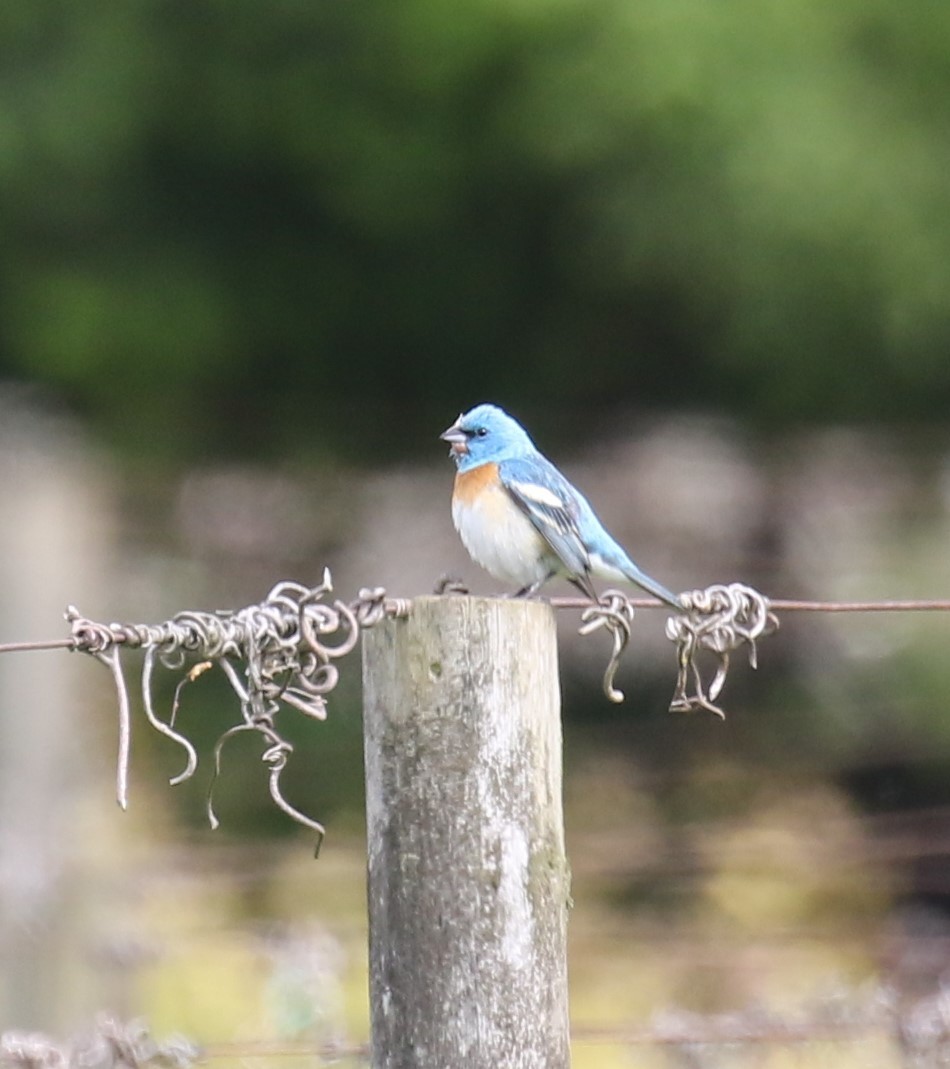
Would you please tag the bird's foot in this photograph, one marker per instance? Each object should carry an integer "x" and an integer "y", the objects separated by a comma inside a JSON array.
[
  {"x": 531, "y": 590},
  {"x": 450, "y": 584}
]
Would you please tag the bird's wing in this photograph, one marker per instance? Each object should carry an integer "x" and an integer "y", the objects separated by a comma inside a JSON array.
[{"x": 550, "y": 503}]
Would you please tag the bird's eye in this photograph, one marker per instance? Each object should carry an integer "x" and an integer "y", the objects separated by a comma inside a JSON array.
[{"x": 481, "y": 432}]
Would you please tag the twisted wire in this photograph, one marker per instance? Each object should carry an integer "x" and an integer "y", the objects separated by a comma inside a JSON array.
[
  {"x": 286, "y": 646},
  {"x": 719, "y": 619},
  {"x": 110, "y": 1044},
  {"x": 615, "y": 613},
  {"x": 282, "y": 651}
]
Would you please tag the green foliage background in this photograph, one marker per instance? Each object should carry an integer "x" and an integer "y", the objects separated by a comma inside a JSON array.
[
  {"x": 308, "y": 232},
  {"x": 221, "y": 214}
]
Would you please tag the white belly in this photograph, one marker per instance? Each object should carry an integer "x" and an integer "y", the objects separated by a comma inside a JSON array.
[{"x": 502, "y": 539}]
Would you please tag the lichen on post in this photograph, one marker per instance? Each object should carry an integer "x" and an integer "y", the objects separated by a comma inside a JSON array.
[{"x": 468, "y": 880}]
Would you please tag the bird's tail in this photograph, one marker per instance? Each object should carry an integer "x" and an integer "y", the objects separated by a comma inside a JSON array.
[{"x": 651, "y": 586}]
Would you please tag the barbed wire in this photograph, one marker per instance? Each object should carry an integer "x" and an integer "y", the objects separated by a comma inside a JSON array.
[
  {"x": 283, "y": 652},
  {"x": 919, "y": 1029},
  {"x": 109, "y": 1044},
  {"x": 836, "y": 1015}
]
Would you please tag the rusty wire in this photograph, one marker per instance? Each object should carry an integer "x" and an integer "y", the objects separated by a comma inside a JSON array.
[
  {"x": 719, "y": 619},
  {"x": 614, "y": 612},
  {"x": 282, "y": 653}
]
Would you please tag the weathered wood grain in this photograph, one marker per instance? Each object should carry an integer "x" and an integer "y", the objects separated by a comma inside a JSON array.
[{"x": 468, "y": 880}]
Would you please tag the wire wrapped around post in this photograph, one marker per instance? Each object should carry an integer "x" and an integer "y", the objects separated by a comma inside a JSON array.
[{"x": 283, "y": 651}]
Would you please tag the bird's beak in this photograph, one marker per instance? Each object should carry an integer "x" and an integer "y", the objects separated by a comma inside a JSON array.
[{"x": 457, "y": 439}]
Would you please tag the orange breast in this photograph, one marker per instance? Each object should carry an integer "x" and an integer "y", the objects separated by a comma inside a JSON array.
[{"x": 472, "y": 483}]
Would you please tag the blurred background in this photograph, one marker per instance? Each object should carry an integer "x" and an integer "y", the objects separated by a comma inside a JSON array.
[{"x": 256, "y": 257}]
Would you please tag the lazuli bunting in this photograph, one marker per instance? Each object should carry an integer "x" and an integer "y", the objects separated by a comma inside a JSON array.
[{"x": 521, "y": 520}]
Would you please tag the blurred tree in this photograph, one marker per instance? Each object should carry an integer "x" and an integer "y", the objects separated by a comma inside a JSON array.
[{"x": 222, "y": 214}]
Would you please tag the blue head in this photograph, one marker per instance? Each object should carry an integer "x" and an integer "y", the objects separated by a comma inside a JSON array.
[{"x": 486, "y": 433}]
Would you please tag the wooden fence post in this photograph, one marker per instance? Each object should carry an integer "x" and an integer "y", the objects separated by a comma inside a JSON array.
[{"x": 468, "y": 881}]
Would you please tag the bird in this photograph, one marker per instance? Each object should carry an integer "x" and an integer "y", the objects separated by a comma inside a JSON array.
[{"x": 522, "y": 520}]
